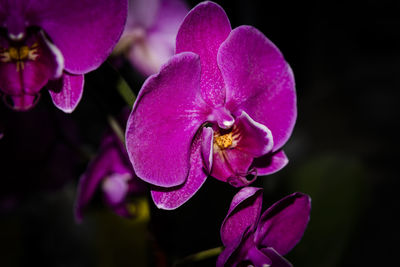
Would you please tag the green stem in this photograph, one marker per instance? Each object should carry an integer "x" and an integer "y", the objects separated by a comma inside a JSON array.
[
  {"x": 199, "y": 256},
  {"x": 116, "y": 128},
  {"x": 125, "y": 91}
]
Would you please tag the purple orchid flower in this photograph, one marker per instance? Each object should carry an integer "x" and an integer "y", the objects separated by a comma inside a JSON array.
[
  {"x": 148, "y": 40},
  {"x": 111, "y": 171},
  {"x": 261, "y": 241},
  {"x": 223, "y": 106},
  {"x": 53, "y": 43}
]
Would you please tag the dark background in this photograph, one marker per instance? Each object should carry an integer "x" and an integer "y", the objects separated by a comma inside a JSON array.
[{"x": 343, "y": 152}]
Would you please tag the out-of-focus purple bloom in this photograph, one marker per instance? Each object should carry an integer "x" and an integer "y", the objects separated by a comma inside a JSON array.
[
  {"x": 112, "y": 172},
  {"x": 148, "y": 40},
  {"x": 59, "y": 41},
  {"x": 261, "y": 241},
  {"x": 223, "y": 106}
]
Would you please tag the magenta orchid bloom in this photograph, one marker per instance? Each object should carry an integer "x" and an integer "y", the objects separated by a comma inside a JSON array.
[
  {"x": 112, "y": 174},
  {"x": 148, "y": 40},
  {"x": 223, "y": 106},
  {"x": 53, "y": 43},
  {"x": 261, "y": 241}
]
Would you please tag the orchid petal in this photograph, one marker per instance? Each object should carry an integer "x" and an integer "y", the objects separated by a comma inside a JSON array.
[
  {"x": 277, "y": 260},
  {"x": 84, "y": 31},
  {"x": 232, "y": 252},
  {"x": 168, "y": 19},
  {"x": 66, "y": 92},
  {"x": 259, "y": 81},
  {"x": 172, "y": 198},
  {"x": 148, "y": 55},
  {"x": 167, "y": 113},
  {"x": 282, "y": 225},
  {"x": 236, "y": 251},
  {"x": 207, "y": 148},
  {"x": 232, "y": 166},
  {"x": 142, "y": 13},
  {"x": 258, "y": 258},
  {"x": 225, "y": 255},
  {"x": 255, "y": 138},
  {"x": 243, "y": 213},
  {"x": 107, "y": 162},
  {"x": 88, "y": 183},
  {"x": 270, "y": 163},
  {"x": 203, "y": 30},
  {"x": 115, "y": 188}
]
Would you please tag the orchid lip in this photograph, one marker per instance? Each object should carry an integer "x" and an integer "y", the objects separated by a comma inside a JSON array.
[
  {"x": 243, "y": 178},
  {"x": 21, "y": 102}
]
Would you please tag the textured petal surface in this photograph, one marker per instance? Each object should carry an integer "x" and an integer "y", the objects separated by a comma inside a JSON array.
[
  {"x": 282, "y": 225},
  {"x": 277, "y": 260},
  {"x": 66, "y": 92},
  {"x": 164, "y": 120},
  {"x": 173, "y": 198},
  {"x": 207, "y": 148},
  {"x": 259, "y": 81},
  {"x": 243, "y": 213},
  {"x": 270, "y": 163},
  {"x": 255, "y": 138},
  {"x": 84, "y": 31},
  {"x": 203, "y": 30}
]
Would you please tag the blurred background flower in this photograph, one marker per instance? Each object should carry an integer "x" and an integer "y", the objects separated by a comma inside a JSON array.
[
  {"x": 111, "y": 173},
  {"x": 148, "y": 40}
]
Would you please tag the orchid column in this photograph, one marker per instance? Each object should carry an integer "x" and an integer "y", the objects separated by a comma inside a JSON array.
[{"x": 53, "y": 44}]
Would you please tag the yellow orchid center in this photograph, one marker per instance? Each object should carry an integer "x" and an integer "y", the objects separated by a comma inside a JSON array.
[
  {"x": 19, "y": 54},
  {"x": 223, "y": 141}
]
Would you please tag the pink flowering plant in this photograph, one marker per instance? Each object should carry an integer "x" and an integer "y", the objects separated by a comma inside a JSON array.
[
  {"x": 220, "y": 102},
  {"x": 223, "y": 106}
]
